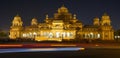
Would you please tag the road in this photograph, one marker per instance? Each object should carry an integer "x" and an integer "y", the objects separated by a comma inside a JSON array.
[{"x": 87, "y": 53}]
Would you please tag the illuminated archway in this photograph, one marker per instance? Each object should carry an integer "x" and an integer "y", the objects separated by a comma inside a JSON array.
[{"x": 50, "y": 35}]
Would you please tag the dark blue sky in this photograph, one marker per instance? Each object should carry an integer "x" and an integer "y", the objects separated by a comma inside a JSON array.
[{"x": 85, "y": 10}]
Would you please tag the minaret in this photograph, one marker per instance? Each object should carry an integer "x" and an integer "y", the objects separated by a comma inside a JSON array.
[
  {"x": 96, "y": 21},
  {"x": 47, "y": 18},
  {"x": 17, "y": 21},
  {"x": 74, "y": 18},
  {"x": 105, "y": 19},
  {"x": 34, "y": 21}
]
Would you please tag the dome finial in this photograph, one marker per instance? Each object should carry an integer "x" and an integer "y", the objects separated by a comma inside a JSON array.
[
  {"x": 17, "y": 15},
  {"x": 63, "y": 5},
  {"x": 105, "y": 14},
  {"x": 47, "y": 16}
]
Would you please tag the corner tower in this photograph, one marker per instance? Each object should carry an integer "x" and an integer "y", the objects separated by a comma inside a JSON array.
[
  {"x": 17, "y": 21},
  {"x": 106, "y": 28},
  {"x": 16, "y": 27}
]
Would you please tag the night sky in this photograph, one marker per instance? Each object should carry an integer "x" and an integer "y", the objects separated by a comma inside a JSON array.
[{"x": 85, "y": 10}]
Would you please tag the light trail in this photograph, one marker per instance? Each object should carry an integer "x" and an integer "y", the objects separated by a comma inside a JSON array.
[
  {"x": 9, "y": 45},
  {"x": 62, "y": 45},
  {"x": 40, "y": 49}
]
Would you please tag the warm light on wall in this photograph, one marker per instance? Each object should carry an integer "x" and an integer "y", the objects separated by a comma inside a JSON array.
[
  {"x": 98, "y": 36},
  {"x": 24, "y": 35},
  {"x": 57, "y": 34},
  {"x": 34, "y": 33}
]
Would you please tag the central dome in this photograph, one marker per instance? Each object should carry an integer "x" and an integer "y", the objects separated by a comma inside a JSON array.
[{"x": 62, "y": 9}]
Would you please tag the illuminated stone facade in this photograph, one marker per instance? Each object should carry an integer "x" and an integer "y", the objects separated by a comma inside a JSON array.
[{"x": 63, "y": 26}]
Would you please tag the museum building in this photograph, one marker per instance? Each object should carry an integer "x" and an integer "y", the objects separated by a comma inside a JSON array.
[{"x": 63, "y": 26}]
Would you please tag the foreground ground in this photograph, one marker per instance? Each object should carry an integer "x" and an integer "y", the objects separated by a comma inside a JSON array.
[
  {"x": 91, "y": 50},
  {"x": 87, "y": 53},
  {"x": 94, "y": 49}
]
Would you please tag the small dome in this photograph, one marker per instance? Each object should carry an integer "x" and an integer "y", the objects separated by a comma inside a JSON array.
[
  {"x": 96, "y": 19},
  {"x": 105, "y": 14},
  {"x": 34, "y": 19},
  {"x": 17, "y": 18}
]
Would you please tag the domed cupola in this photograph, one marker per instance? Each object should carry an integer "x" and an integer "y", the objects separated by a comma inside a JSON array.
[
  {"x": 34, "y": 21},
  {"x": 17, "y": 21},
  {"x": 96, "y": 21},
  {"x": 106, "y": 19}
]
